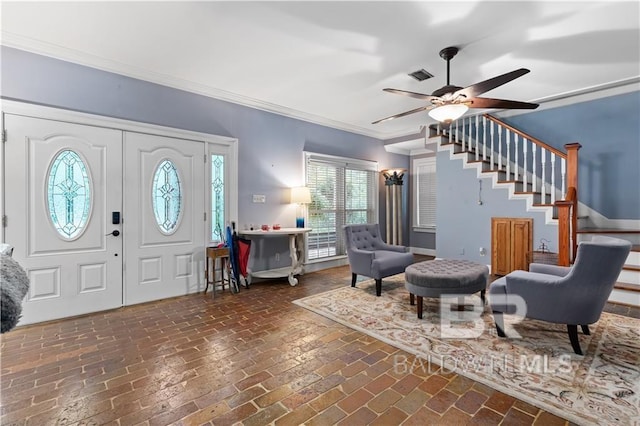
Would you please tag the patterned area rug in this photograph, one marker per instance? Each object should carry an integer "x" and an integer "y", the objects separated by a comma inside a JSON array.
[{"x": 602, "y": 387}]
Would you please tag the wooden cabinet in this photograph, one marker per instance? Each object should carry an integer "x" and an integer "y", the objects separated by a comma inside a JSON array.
[{"x": 511, "y": 244}]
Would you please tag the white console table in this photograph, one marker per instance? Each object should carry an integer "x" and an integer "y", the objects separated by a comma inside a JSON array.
[{"x": 296, "y": 251}]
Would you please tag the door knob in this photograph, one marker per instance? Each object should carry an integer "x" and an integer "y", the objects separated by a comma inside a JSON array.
[{"x": 115, "y": 233}]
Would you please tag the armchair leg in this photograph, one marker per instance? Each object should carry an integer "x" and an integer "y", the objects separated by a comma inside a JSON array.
[
  {"x": 353, "y": 279},
  {"x": 412, "y": 299},
  {"x": 499, "y": 320},
  {"x": 483, "y": 296},
  {"x": 585, "y": 329},
  {"x": 573, "y": 337},
  {"x": 379, "y": 287}
]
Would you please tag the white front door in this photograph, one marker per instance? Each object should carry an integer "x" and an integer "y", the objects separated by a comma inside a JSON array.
[
  {"x": 62, "y": 183},
  {"x": 164, "y": 225}
]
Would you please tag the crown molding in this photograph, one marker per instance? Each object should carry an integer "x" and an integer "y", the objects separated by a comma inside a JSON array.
[{"x": 85, "y": 59}]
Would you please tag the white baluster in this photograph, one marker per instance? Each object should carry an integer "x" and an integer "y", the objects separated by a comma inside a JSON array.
[
  {"x": 457, "y": 132},
  {"x": 563, "y": 176},
  {"x": 516, "y": 138},
  {"x": 543, "y": 184},
  {"x": 477, "y": 138},
  {"x": 524, "y": 160},
  {"x": 463, "y": 136},
  {"x": 484, "y": 138},
  {"x": 491, "y": 152},
  {"x": 450, "y": 133},
  {"x": 508, "y": 137},
  {"x": 499, "y": 148},
  {"x": 553, "y": 178},
  {"x": 534, "y": 168}
]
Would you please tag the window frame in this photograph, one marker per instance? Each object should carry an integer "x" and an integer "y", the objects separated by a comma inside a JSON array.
[
  {"x": 342, "y": 163},
  {"x": 230, "y": 154},
  {"x": 416, "y": 164}
]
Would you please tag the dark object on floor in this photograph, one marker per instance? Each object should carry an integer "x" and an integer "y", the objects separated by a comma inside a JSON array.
[
  {"x": 14, "y": 285},
  {"x": 573, "y": 295},
  {"x": 239, "y": 249}
]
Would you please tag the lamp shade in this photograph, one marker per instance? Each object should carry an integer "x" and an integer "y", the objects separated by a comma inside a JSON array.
[
  {"x": 300, "y": 195},
  {"x": 448, "y": 112}
]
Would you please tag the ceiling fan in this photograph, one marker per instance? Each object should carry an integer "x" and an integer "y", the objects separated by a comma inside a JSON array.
[{"x": 449, "y": 102}]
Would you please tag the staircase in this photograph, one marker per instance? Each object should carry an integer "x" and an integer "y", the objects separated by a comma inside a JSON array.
[
  {"x": 627, "y": 288},
  {"x": 546, "y": 178}
]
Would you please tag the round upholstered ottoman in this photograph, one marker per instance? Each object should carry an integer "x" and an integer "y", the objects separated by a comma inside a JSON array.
[{"x": 434, "y": 278}]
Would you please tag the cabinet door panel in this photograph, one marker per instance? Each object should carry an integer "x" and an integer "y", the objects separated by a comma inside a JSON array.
[
  {"x": 521, "y": 241},
  {"x": 500, "y": 246}
]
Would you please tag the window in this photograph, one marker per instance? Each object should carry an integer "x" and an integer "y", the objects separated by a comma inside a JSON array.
[
  {"x": 424, "y": 183},
  {"x": 68, "y": 194},
  {"x": 217, "y": 197},
  {"x": 222, "y": 191},
  {"x": 343, "y": 191},
  {"x": 167, "y": 196}
]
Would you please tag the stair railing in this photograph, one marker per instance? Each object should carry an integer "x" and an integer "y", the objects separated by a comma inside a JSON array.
[{"x": 534, "y": 165}]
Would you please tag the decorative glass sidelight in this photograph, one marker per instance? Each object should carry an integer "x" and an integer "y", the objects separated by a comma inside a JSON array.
[
  {"x": 68, "y": 194},
  {"x": 217, "y": 197},
  {"x": 167, "y": 196}
]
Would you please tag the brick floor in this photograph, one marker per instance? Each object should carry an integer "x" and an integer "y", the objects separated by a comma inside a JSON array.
[{"x": 251, "y": 357}]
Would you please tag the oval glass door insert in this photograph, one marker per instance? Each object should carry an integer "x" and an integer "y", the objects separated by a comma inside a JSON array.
[
  {"x": 69, "y": 194},
  {"x": 167, "y": 196}
]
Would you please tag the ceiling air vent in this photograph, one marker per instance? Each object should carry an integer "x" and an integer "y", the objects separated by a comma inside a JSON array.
[{"x": 421, "y": 75}]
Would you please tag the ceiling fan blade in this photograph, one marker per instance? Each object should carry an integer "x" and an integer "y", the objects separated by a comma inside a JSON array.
[
  {"x": 402, "y": 114},
  {"x": 484, "y": 86},
  {"x": 499, "y": 103},
  {"x": 410, "y": 94}
]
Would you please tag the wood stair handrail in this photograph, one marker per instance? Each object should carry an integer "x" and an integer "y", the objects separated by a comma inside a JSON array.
[{"x": 526, "y": 136}]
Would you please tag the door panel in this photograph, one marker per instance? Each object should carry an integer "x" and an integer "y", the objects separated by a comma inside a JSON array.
[
  {"x": 163, "y": 261},
  {"x": 78, "y": 268}
]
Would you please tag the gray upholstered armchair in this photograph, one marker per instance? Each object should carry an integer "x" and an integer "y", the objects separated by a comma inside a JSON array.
[
  {"x": 572, "y": 295},
  {"x": 372, "y": 257}
]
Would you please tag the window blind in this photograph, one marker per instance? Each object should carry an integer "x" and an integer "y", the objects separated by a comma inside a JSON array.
[
  {"x": 343, "y": 191},
  {"x": 425, "y": 192}
]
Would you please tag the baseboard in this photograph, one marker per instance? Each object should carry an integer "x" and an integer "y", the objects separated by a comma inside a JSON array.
[
  {"x": 319, "y": 266},
  {"x": 424, "y": 251}
]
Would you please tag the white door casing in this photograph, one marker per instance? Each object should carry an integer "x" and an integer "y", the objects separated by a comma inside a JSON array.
[
  {"x": 68, "y": 276},
  {"x": 162, "y": 264},
  {"x": 83, "y": 274}
]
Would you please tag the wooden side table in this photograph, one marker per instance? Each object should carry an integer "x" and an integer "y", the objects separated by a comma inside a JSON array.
[{"x": 213, "y": 253}]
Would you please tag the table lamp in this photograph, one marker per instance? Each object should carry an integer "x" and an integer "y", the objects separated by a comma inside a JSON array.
[{"x": 300, "y": 195}]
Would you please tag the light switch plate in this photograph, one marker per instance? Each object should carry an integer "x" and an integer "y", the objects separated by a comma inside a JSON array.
[{"x": 259, "y": 198}]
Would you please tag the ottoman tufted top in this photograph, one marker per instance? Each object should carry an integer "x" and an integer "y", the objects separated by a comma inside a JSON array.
[{"x": 444, "y": 273}]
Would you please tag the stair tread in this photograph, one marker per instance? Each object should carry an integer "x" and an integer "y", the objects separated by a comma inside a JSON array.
[
  {"x": 627, "y": 287},
  {"x": 607, "y": 231}
]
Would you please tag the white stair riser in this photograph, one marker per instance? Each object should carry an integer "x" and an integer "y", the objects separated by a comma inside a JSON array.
[
  {"x": 629, "y": 277},
  {"x": 633, "y": 238},
  {"x": 633, "y": 259},
  {"x": 625, "y": 297}
]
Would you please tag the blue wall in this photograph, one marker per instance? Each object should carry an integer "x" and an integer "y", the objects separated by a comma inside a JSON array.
[
  {"x": 609, "y": 131},
  {"x": 464, "y": 224},
  {"x": 270, "y": 146}
]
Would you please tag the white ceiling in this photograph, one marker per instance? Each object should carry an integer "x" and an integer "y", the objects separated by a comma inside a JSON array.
[{"x": 327, "y": 62}]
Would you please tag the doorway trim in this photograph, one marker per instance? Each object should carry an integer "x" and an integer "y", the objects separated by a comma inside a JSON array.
[{"x": 76, "y": 117}]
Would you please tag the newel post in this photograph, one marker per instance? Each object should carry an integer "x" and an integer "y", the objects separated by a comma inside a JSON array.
[{"x": 568, "y": 209}]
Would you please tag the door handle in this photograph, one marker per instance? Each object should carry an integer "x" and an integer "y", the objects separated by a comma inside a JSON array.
[{"x": 115, "y": 233}]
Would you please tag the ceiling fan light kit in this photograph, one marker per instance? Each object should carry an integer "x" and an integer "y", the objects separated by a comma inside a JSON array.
[
  {"x": 448, "y": 113},
  {"x": 451, "y": 102}
]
